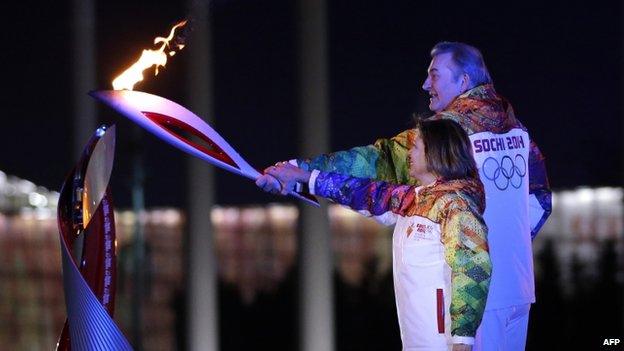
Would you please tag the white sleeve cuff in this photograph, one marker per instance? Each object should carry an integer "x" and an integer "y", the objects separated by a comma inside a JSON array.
[
  {"x": 298, "y": 186},
  {"x": 466, "y": 340},
  {"x": 535, "y": 211},
  {"x": 312, "y": 181}
]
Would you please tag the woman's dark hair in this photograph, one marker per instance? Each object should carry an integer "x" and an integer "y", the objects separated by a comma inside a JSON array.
[{"x": 447, "y": 149}]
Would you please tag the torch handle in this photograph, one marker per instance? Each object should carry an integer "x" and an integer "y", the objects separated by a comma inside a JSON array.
[{"x": 305, "y": 197}]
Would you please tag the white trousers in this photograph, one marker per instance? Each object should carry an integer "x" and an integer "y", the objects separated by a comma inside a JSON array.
[{"x": 503, "y": 329}]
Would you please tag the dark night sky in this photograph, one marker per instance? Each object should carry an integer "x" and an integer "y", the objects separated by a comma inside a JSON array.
[{"x": 561, "y": 67}]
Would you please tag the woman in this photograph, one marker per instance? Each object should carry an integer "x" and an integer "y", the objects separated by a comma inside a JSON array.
[{"x": 441, "y": 264}]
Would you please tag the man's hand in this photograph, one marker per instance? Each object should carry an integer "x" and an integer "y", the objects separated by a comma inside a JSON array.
[{"x": 462, "y": 347}]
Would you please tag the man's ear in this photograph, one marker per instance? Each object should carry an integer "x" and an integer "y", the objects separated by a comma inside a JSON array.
[{"x": 465, "y": 82}]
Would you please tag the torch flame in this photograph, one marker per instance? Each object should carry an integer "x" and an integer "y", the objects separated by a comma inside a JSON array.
[{"x": 158, "y": 57}]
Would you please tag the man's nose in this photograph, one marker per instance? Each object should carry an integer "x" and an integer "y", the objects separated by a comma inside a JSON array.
[{"x": 427, "y": 84}]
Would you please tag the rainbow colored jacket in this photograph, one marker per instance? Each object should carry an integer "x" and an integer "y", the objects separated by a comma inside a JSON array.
[
  {"x": 454, "y": 208},
  {"x": 477, "y": 110}
]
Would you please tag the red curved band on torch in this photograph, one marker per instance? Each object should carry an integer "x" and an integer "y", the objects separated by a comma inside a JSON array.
[{"x": 166, "y": 122}]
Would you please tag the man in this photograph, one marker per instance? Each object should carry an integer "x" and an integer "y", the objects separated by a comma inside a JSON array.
[{"x": 511, "y": 167}]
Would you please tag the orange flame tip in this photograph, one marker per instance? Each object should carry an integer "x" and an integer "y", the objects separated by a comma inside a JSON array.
[{"x": 149, "y": 58}]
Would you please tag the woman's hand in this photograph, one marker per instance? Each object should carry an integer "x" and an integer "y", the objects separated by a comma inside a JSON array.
[{"x": 282, "y": 178}]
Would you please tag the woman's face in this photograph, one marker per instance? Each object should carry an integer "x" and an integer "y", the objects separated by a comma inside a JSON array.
[{"x": 416, "y": 158}]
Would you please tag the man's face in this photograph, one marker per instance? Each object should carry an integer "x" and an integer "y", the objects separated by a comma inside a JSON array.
[
  {"x": 416, "y": 157},
  {"x": 441, "y": 83}
]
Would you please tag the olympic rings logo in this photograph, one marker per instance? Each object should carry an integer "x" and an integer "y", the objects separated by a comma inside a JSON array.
[{"x": 508, "y": 172}]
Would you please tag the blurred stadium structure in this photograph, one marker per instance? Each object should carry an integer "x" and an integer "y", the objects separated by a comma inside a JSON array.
[{"x": 579, "y": 257}]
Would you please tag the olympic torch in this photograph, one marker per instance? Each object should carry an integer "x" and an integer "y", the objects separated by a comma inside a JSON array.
[{"x": 172, "y": 122}]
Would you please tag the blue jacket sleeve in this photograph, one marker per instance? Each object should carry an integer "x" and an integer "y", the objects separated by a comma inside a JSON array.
[{"x": 374, "y": 197}]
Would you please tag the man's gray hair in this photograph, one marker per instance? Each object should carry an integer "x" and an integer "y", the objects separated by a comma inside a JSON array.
[{"x": 467, "y": 58}]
